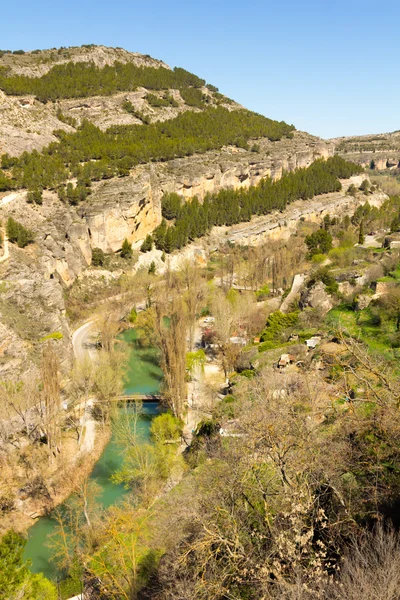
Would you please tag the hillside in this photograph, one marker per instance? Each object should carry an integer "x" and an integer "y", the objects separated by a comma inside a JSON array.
[
  {"x": 376, "y": 152},
  {"x": 43, "y": 91}
]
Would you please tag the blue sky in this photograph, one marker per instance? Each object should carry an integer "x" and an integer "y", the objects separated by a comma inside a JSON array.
[{"x": 328, "y": 66}]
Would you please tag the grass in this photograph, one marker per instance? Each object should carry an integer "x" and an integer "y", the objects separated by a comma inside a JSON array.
[{"x": 363, "y": 325}]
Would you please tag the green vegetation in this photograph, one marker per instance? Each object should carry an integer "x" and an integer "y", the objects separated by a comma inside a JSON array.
[
  {"x": 193, "y": 97},
  {"x": 18, "y": 234},
  {"x": 98, "y": 257},
  {"x": 80, "y": 80},
  {"x": 319, "y": 242},
  {"x": 147, "y": 244},
  {"x": 327, "y": 279},
  {"x": 276, "y": 323},
  {"x": 35, "y": 197},
  {"x": 228, "y": 207},
  {"x": 126, "y": 250},
  {"x": 16, "y": 580},
  {"x": 165, "y": 100},
  {"x": 56, "y": 335},
  {"x": 91, "y": 154}
]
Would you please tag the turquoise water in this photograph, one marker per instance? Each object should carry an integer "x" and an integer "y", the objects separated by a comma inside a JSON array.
[{"x": 144, "y": 376}]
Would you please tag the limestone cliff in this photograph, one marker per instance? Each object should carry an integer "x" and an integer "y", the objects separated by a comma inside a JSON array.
[
  {"x": 377, "y": 152},
  {"x": 131, "y": 207}
]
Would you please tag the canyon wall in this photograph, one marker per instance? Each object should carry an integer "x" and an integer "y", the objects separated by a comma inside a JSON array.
[{"x": 130, "y": 207}]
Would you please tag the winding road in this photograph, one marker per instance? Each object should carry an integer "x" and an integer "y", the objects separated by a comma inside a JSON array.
[{"x": 80, "y": 341}]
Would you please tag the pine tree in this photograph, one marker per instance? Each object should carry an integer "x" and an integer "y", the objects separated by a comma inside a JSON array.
[
  {"x": 361, "y": 236},
  {"x": 126, "y": 250},
  {"x": 147, "y": 244}
]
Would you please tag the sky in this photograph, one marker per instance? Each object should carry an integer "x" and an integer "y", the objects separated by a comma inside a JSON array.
[{"x": 328, "y": 66}]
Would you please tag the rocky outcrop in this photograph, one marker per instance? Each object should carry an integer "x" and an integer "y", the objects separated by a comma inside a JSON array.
[
  {"x": 378, "y": 152},
  {"x": 362, "y": 301},
  {"x": 317, "y": 297},
  {"x": 131, "y": 207},
  {"x": 279, "y": 225}
]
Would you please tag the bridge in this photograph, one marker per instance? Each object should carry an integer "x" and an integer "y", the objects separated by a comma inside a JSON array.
[{"x": 140, "y": 398}]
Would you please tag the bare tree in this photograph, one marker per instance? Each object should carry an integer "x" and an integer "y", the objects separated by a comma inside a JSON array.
[{"x": 51, "y": 400}]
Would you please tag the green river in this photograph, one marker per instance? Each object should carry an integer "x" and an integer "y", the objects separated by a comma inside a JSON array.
[{"x": 144, "y": 376}]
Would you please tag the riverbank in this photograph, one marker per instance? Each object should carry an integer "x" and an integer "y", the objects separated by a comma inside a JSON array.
[{"x": 72, "y": 468}]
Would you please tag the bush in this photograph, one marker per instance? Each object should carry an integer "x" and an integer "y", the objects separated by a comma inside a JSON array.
[
  {"x": 57, "y": 335},
  {"x": 98, "y": 257},
  {"x": 18, "y": 234},
  {"x": 132, "y": 315},
  {"x": 35, "y": 197},
  {"x": 262, "y": 293},
  {"x": 318, "y": 258},
  {"x": 276, "y": 323}
]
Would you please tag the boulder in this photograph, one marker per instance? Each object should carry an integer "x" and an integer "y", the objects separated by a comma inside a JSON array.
[{"x": 317, "y": 297}]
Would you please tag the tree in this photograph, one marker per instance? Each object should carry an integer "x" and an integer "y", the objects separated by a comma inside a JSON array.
[
  {"x": 51, "y": 400},
  {"x": 319, "y": 242},
  {"x": 171, "y": 340},
  {"x": 147, "y": 244},
  {"x": 108, "y": 380},
  {"x": 152, "y": 268},
  {"x": 16, "y": 580},
  {"x": 35, "y": 196},
  {"x": 98, "y": 257},
  {"x": 126, "y": 250},
  {"x": 361, "y": 236}
]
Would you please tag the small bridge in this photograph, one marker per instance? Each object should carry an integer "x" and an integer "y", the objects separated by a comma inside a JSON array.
[{"x": 140, "y": 398}]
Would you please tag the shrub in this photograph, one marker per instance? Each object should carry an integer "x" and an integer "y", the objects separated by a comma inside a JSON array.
[
  {"x": 132, "y": 315},
  {"x": 98, "y": 257},
  {"x": 35, "y": 197},
  {"x": 57, "y": 335},
  {"x": 276, "y": 323},
  {"x": 318, "y": 258},
  {"x": 327, "y": 279},
  {"x": 18, "y": 234},
  {"x": 262, "y": 293}
]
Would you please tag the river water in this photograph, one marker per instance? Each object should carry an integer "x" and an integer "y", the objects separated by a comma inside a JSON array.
[{"x": 144, "y": 376}]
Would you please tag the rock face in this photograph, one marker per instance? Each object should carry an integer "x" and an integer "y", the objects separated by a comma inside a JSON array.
[
  {"x": 317, "y": 297},
  {"x": 282, "y": 225},
  {"x": 131, "y": 207},
  {"x": 363, "y": 301},
  {"x": 378, "y": 152}
]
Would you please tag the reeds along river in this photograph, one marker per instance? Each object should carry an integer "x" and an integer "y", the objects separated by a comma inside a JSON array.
[{"x": 143, "y": 376}]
